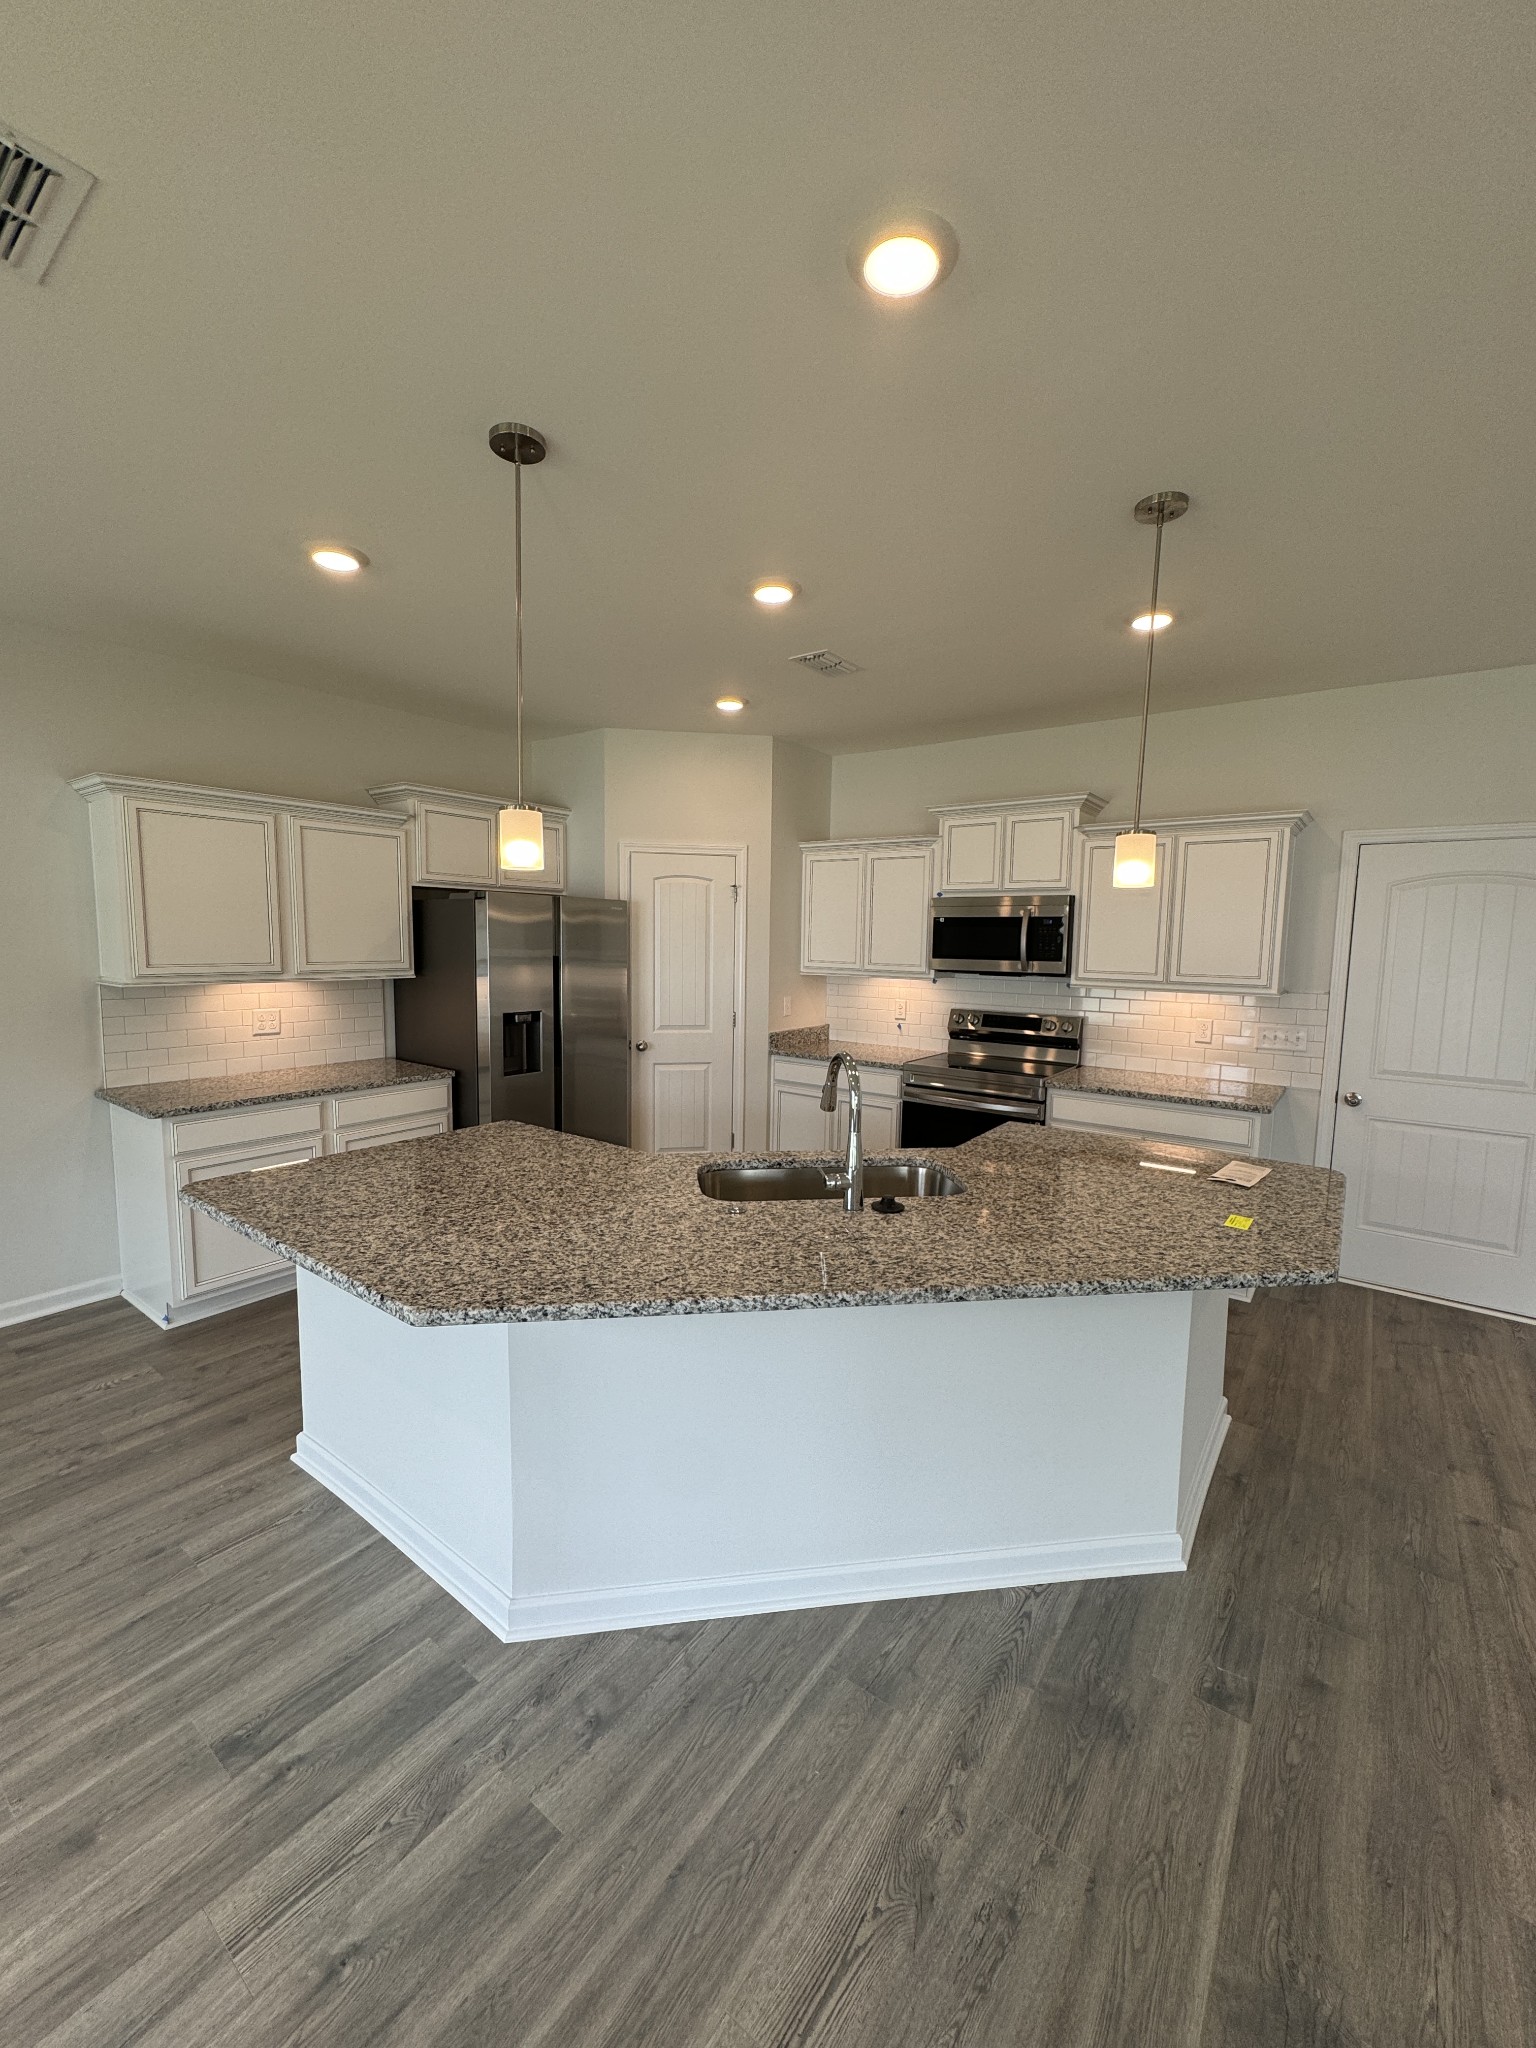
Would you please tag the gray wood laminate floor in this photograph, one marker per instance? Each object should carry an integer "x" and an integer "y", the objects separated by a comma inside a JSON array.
[{"x": 262, "y": 1783}]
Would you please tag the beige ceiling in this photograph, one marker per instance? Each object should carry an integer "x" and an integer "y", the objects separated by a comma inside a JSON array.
[{"x": 1277, "y": 256}]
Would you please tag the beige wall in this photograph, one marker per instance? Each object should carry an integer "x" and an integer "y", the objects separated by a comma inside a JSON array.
[
  {"x": 1444, "y": 750},
  {"x": 802, "y": 809},
  {"x": 68, "y": 706}
]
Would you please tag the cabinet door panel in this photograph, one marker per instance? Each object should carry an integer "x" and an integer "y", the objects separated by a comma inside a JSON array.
[
  {"x": 831, "y": 912},
  {"x": 1225, "y": 906},
  {"x": 897, "y": 924},
  {"x": 799, "y": 1122},
  {"x": 1120, "y": 937},
  {"x": 1039, "y": 853},
  {"x": 971, "y": 853},
  {"x": 457, "y": 846},
  {"x": 213, "y": 1255},
  {"x": 204, "y": 890},
  {"x": 350, "y": 899}
]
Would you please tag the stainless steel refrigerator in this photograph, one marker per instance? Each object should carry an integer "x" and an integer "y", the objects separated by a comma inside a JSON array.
[{"x": 526, "y": 997}]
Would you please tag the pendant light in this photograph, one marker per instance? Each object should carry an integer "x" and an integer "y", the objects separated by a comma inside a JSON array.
[
  {"x": 519, "y": 828},
  {"x": 1136, "y": 851}
]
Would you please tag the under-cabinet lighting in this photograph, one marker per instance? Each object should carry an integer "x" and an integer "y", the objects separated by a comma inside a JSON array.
[{"x": 1163, "y": 1166}]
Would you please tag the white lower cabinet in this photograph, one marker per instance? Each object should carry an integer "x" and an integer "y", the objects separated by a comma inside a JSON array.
[
  {"x": 1227, "y": 1130},
  {"x": 177, "y": 1263},
  {"x": 798, "y": 1123}
]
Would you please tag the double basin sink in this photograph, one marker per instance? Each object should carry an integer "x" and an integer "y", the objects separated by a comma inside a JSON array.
[{"x": 792, "y": 1180}]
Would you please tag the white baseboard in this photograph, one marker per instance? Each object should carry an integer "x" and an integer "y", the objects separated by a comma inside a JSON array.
[
  {"x": 1468, "y": 1308},
  {"x": 29, "y": 1307},
  {"x": 1193, "y": 1503},
  {"x": 535, "y": 1617},
  {"x": 171, "y": 1318}
]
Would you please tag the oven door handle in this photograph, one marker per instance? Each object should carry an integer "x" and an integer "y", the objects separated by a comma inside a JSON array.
[{"x": 1027, "y": 1112}]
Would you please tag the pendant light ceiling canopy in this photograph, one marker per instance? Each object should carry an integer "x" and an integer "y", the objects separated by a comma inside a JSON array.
[
  {"x": 519, "y": 827},
  {"x": 1136, "y": 851}
]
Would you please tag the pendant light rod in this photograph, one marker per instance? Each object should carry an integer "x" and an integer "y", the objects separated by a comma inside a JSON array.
[
  {"x": 520, "y": 445},
  {"x": 1154, "y": 511}
]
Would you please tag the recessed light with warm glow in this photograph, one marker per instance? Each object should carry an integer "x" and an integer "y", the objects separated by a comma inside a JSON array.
[
  {"x": 774, "y": 590},
  {"x": 338, "y": 561},
  {"x": 1151, "y": 622},
  {"x": 901, "y": 267},
  {"x": 904, "y": 256},
  {"x": 730, "y": 703}
]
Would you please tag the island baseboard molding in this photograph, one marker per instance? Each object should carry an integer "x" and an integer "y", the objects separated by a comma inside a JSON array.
[{"x": 570, "y": 1476}]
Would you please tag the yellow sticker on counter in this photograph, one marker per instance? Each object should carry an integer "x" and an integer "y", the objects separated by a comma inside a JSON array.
[{"x": 1239, "y": 1223}]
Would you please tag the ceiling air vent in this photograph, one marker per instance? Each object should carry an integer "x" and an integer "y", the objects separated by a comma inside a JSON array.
[
  {"x": 40, "y": 194},
  {"x": 826, "y": 663}
]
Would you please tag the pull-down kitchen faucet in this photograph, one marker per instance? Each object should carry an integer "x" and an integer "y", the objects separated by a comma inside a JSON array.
[{"x": 851, "y": 1179}]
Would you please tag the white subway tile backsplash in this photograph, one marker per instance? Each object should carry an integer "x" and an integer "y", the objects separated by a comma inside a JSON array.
[
  {"x": 187, "y": 1033},
  {"x": 1123, "y": 1028}
]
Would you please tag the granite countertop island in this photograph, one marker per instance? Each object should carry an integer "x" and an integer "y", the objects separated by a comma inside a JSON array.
[
  {"x": 510, "y": 1223},
  {"x": 1196, "y": 1091},
  {"x": 284, "y": 1084},
  {"x": 514, "y": 1366}
]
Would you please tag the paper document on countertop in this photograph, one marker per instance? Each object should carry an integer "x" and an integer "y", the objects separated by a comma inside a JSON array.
[{"x": 1241, "y": 1173}]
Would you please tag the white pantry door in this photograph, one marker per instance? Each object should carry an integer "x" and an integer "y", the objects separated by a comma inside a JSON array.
[
  {"x": 1435, "y": 1126},
  {"x": 683, "y": 927}
]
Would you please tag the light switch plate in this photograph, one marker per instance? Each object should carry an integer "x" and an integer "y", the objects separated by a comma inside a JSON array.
[
  {"x": 266, "y": 1023},
  {"x": 1284, "y": 1038}
]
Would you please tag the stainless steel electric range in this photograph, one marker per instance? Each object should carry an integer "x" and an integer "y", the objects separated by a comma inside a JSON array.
[{"x": 995, "y": 1072}]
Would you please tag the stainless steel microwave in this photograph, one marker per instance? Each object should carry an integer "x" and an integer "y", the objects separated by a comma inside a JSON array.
[{"x": 1002, "y": 935}]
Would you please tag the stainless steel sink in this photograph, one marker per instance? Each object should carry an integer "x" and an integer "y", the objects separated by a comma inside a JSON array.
[{"x": 793, "y": 1180}]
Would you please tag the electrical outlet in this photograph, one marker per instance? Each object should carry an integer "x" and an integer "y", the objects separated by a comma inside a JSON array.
[
  {"x": 266, "y": 1023},
  {"x": 785, "y": 1007},
  {"x": 898, "y": 1009},
  {"x": 1284, "y": 1037},
  {"x": 1202, "y": 1031}
]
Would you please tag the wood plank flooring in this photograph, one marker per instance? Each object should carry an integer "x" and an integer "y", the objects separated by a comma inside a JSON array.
[{"x": 262, "y": 1784}]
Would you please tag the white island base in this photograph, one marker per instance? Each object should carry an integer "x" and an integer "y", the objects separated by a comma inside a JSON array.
[{"x": 565, "y": 1476}]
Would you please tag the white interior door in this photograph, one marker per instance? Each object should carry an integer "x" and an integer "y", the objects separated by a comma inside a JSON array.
[
  {"x": 1435, "y": 1126},
  {"x": 683, "y": 955}
]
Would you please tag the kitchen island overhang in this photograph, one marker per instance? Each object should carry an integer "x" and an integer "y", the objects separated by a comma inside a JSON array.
[{"x": 942, "y": 1410}]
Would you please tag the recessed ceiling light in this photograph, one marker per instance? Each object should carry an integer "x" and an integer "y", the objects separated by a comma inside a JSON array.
[
  {"x": 338, "y": 561},
  {"x": 730, "y": 703},
  {"x": 1151, "y": 622},
  {"x": 775, "y": 590},
  {"x": 904, "y": 257}
]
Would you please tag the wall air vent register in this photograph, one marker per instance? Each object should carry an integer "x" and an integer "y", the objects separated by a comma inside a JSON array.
[
  {"x": 40, "y": 194},
  {"x": 826, "y": 663}
]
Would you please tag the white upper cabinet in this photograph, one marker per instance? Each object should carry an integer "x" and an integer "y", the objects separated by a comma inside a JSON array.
[
  {"x": 831, "y": 909},
  {"x": 1010, "y": 848},
  {"x": 1121, "y": 933},
  {"x": 217, "y": 885},
  {"x": 453, "y": 839},
  {"x": 864, "y": 906},
  {"x": 1215, "y": 919},
  {"x": 349, "y": 896}
]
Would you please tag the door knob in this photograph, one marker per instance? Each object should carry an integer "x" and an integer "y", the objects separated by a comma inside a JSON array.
[
  {"x": 642, "y": 1045},
  {"x": 1352, "y": 1099}
]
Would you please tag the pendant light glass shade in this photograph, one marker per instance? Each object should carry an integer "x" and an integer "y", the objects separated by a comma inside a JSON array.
[
  {"x": 1135, "y": 860},
  {"x": 520, "y": 838}
]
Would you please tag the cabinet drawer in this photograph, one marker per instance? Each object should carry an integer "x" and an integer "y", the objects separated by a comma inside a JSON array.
[
  {"x": 358, "y": 1137},
  {"x": 245, "y": 1127},
  {"x": 1229, "y": 1130},
  {"x": 388, "y": 1105}
]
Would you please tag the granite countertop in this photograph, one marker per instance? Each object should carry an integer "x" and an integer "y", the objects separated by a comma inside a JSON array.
[
  {"x": 811, "y": 1042},
  {"x": 511, "y": 1223},
  {"x": 249, "y": 1091},
  {"x": 1191, "y": 1089}
]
